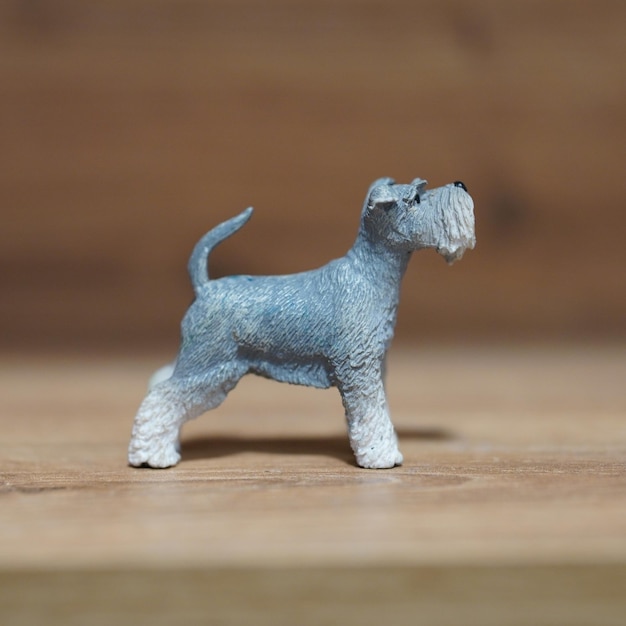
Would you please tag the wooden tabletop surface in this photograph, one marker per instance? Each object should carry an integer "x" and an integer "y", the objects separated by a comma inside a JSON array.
[{"x": 510, "y": 506}]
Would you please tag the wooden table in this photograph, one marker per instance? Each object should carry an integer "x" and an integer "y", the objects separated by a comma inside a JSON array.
[{"x": 510, "y": 507}]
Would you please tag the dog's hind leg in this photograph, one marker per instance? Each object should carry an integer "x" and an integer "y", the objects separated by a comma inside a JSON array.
[
  {"x": 168, "y": 405},
  {"x": 372, "y": 436}
]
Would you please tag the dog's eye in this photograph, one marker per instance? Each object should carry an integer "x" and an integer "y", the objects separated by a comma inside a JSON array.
[{"x": 461, "y": 184}]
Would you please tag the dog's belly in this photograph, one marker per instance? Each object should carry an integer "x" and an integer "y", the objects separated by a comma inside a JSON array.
[{"x": 306, "y": 372}]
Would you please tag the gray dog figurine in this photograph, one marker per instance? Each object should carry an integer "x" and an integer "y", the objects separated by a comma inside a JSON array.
[{"x": 326, "y": 327}]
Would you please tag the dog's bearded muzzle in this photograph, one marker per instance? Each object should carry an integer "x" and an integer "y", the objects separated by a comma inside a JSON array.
[{"x": 455, "y": 222}]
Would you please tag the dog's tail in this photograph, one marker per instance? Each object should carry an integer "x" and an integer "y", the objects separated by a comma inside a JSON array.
[{"x": 198, "y": 262}]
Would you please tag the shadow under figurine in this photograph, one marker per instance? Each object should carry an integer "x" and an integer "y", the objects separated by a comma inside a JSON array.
[{"x": 327, "y": 327}]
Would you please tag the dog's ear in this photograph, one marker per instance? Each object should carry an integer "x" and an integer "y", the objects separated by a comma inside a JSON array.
[
  {"x": 420, "y": 183},
  {"x": 377, "y": 183},
  {"x": 381, "y": 197}
]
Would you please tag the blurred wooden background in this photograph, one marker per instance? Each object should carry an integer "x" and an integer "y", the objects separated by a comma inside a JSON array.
[{"x": 130, "y": 127}]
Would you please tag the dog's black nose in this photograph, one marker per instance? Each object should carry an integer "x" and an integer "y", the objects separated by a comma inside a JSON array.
[{"x": 461, "y": 184}]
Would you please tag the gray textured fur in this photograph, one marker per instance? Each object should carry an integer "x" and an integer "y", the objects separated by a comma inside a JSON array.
[{"x": 327, "y": 327}]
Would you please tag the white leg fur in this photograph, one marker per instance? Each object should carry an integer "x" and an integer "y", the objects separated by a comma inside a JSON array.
[
  {"x": 372, "y": 436},
  {"x": 154, "y": 440}
]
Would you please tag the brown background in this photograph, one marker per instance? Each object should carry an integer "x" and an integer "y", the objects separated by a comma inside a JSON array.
[{"x": 130, "y": 128}]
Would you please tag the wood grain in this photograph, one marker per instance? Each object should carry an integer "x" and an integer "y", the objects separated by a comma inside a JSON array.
[
  {"x": 130, "y": 128},
  {"x": 510, "y": 507}
]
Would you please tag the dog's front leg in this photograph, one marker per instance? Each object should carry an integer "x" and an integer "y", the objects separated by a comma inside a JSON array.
[{"x": 372, "y": 436}]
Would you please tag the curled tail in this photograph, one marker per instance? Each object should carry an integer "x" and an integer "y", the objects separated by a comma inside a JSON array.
[{"x": 198, "y": 262}]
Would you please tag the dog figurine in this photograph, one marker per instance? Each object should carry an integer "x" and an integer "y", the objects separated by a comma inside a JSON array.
[{"x": 327, "y": 327}]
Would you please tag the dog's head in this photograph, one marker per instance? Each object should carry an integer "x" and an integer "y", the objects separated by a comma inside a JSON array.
[{"x": 411, "y": 217}]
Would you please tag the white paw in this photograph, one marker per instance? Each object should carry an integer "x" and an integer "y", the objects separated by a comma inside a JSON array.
[
  {"x": 384, "y": 460},
  {"x": 157, "y": 457}
]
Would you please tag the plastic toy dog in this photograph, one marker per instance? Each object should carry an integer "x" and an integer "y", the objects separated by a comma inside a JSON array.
[{"x": 326, "y": 327}]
